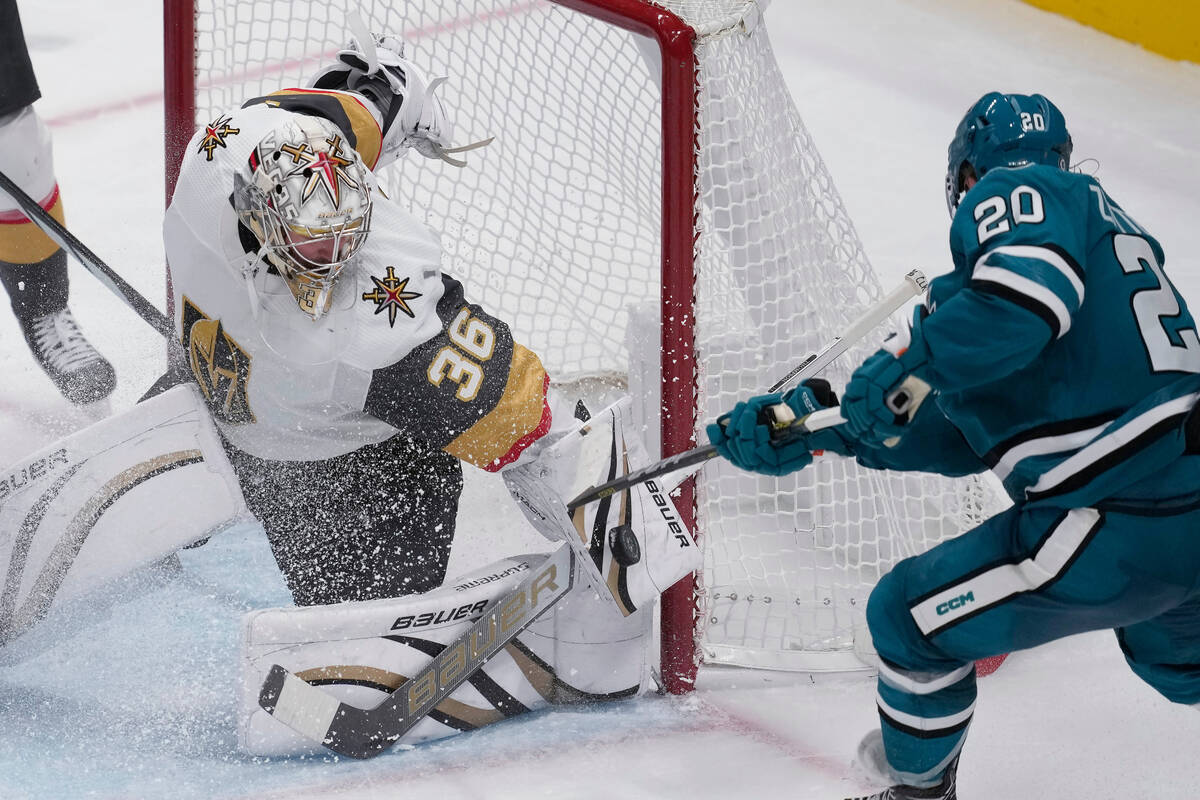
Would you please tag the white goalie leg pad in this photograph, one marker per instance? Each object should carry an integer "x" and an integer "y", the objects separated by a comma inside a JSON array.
[
  {"x": 360, "y": 652},
  {"x": 118, "y": 495},
  {"x": 582, "y": 652},
  {"x": 604, "y": 448}
]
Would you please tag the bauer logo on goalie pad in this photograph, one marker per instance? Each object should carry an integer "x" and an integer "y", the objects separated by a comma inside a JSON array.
[
  {"x": 667, "y": 509},
  {"x": 31, "y": 473},
  {"x": 438, "y": 617}
]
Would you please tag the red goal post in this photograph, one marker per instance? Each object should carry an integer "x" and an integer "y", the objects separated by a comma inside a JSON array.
[{"x": 652, "y": 212}]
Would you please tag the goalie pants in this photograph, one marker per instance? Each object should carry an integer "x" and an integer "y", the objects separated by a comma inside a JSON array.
[
  {"x": 1023, "y": 578},
  {"x": 374, "y": 523}
]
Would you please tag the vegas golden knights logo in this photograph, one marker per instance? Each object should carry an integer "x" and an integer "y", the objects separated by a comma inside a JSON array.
[
  {"x": 391, "y": 294},
  {"x": 219, "y": 363},
  {"x": 215, "y": 134}
]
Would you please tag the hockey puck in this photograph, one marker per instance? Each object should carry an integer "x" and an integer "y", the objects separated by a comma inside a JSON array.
[{"x": 624, "y": 545}]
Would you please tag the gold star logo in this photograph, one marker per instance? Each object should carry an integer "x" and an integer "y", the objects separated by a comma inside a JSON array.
[
  {"x": 389, "y": 293},
  {"x": 214, "y": 136}
]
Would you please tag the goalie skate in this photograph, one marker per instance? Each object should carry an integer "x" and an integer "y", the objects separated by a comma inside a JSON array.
[{"x": 633, "y": 545}]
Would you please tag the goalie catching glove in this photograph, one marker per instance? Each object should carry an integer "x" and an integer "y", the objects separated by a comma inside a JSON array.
[
  {"x": 411, "y": 116},
  {"x": 746, "y": 435}
]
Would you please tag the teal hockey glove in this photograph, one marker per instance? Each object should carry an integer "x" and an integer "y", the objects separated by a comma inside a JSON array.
[
  {"x": 747, "y": 437},
  {"x": 876, "y": 404}
]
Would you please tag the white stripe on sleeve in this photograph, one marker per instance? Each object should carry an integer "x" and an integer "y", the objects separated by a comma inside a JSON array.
[{"x": 1029, "y": 288}]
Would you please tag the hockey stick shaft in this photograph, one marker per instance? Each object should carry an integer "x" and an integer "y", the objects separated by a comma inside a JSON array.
[
  {"x": 913, "y": 284},
  {"x": 363, "y": 733},
  {"x": 91, "y": 262}
]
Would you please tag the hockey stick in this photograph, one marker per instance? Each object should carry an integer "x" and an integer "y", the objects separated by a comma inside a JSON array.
[
  {"x": 91, "y": 262},
  {"x": 914, "y": 283},
  {"x": 363, "y": 733}
]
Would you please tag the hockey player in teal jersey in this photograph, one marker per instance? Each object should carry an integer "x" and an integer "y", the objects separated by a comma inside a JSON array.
[{"x": 1060, "y": 356}]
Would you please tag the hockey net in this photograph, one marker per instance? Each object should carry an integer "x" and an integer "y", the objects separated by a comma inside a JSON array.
[{"x": 654, "y": 214}]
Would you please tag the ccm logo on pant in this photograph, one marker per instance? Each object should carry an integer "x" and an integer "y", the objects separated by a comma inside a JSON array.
[{"x": 955, "y": 603}]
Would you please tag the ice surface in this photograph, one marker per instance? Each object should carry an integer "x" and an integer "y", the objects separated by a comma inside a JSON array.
[{"x": 132, "y": 695}]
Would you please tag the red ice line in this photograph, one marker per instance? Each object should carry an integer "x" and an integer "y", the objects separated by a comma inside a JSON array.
[{"x": 133, "y": 103}]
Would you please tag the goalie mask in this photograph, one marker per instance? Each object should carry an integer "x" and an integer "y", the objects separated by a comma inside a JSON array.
[{"x": 305, "y": 194}]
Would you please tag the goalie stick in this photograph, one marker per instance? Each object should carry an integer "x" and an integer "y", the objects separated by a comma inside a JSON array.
[
  {"x": 914, "y": 284},
  {"x": 363, "y": 733}
]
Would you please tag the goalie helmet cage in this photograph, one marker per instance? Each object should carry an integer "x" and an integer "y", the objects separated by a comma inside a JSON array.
[{"x": 652, "y": 211}]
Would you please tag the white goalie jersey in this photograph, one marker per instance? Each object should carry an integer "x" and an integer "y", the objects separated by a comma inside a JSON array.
[{"x": 399, "y": 349}]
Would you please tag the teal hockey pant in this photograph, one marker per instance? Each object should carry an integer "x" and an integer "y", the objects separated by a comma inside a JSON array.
[{"x": 1023, "y": 578}]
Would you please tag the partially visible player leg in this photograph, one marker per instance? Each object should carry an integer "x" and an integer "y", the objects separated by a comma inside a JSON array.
[
  {"x": 361, "y": 653},
  {"x": 1023, "y": 578},
  {"x": 377, "y": 522},
  {"x": 33, "y": 269},
  {"x": 1165, "y": 652},
  {"x": 39, "y": 300}
]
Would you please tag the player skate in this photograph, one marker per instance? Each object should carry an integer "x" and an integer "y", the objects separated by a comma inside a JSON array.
[
  {"x": 873, "y": 760},
  {"x": 633, "y": 545},
  {"x": 77, "y": 369},
  {"x": 33, "y": 268}
]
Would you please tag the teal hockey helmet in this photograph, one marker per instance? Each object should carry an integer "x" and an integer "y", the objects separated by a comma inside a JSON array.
[{"x": 1005, "y": 130}]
